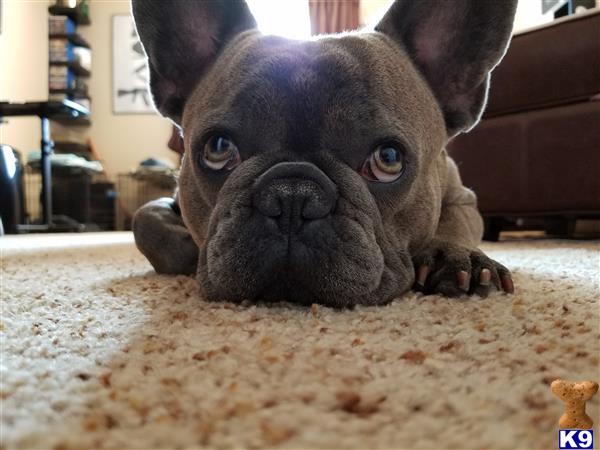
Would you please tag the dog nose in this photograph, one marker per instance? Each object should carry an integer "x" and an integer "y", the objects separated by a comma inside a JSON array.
[{"x": 292, "y": 192}]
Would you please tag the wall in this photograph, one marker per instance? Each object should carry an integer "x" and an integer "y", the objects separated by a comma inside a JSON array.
[
  {"x": 372, "y": 10},
  {"x": 529, "y": 14},
  {"x": 121, "y": 140},
  {"x": 24, "y": 67}
]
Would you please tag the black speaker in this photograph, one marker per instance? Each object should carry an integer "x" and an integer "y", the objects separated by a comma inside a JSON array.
[{"x": 12, "y": 210}]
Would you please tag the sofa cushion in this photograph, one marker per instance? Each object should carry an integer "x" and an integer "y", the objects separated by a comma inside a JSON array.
[
  {"x": 554, "y": 64},
  {"x": 535, "y": 162}
]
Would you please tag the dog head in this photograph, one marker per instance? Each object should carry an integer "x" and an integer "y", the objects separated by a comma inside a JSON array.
[{"x": 312, "y": 168}]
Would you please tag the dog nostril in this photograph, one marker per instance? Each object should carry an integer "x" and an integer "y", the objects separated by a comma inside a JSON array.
[
  {"x": 293, "y": 198},
  {"x": 316, "y": 205},
  {"x": 268, "y": 204},
  {"x": 294, "y": 191}
]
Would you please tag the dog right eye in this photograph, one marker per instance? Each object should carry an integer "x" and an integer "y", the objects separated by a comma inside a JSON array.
[
  {"x": 385, "y": 164},
  {"x": 220, "y": 153}
]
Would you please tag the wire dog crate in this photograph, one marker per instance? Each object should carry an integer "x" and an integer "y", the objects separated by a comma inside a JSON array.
[
  {"x": 83, "y": 198},
  {"x": 92, "y": 201},
  {"x": 138, "y": 188}
]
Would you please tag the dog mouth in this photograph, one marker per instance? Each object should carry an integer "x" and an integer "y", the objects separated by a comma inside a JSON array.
[{"x": 331, "y": 261}]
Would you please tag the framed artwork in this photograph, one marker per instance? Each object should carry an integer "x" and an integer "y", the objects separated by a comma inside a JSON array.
[
  {"x": 552, "y": 5},
  {"x": 130, "y": 75}
]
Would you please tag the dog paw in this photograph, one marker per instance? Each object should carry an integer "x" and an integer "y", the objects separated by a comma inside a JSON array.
[
  {"x": 163, "y": 239},
  {"x": 453, "y": 270}
]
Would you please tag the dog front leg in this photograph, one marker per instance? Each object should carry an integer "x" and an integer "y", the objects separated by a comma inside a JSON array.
[
  {"x": 451, "y": 264},
  {"x": 163, "y": 238}
]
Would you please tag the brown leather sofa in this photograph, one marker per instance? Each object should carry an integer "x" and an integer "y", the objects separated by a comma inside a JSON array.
[{"x": 536, "y": 153}]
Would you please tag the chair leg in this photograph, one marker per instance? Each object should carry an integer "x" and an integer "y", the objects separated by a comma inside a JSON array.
[
  {"x": 492, "y": 228},
  {"x": 562, "y": 227}
]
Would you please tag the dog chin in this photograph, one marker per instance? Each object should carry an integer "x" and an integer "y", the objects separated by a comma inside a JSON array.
[{"x": 334, "y": 261}]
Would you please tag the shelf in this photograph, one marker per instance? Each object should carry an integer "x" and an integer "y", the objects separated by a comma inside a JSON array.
[
  {"x": 75, "y": 93},
  {"x": 73, "y": 38},
  {"x": 71, "y": 147},
  {"x": 66, "y": 112},
  {"x": 74, "y": 66},
  {"x": 73, "y": 121},
  {"x": 74, "y": 14}
]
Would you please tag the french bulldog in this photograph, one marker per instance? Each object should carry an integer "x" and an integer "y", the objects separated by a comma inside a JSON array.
[{"x": 316, "y": 171}]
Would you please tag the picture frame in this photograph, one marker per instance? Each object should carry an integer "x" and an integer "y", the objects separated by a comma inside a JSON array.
[
  {"x": 552, "y": 5},
  {"x": 129, "y": 71}
]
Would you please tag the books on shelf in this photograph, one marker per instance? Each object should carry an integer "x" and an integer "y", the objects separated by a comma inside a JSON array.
[
  {"x": 61, "y": 50},
  {"x": 60, "y": 25},
  {"x": 61, "y": 77},
  {"x": 70, "y": 57}
]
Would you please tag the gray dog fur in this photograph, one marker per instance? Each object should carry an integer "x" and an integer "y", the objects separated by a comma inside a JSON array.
[{"x": 305, "y": 115}]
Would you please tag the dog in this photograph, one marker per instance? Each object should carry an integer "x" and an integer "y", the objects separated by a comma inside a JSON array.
[{"x": 316, "y": 171}]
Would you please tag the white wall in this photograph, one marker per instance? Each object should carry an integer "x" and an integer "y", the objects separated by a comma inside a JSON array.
[
  {"x": 529, "y": 14},
  {"x": 370, "y": 11},
  {"x": 23, "y": 67},
  {"x": 121, "y": 140}
]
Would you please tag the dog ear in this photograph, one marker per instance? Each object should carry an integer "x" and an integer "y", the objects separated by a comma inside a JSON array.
[
  {"x": 455, "y": 44},
  {"x": 182, "y": 38}
]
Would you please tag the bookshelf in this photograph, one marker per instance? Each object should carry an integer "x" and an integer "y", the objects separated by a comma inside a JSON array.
[
  {"x": 69, "y": 66},
  {"x": 69, "y": 55}
]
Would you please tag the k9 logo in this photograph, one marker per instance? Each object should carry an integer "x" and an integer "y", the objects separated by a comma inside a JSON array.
[{"x": 575, "y": 439}]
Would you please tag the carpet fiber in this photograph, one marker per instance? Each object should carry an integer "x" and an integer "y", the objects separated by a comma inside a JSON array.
[{"x": 98, "y": 351}]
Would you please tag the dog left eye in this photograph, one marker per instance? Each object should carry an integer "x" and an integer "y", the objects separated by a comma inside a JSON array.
[
  {"x": 220, "y": 153},
  {"x": 385, "y": 164}
]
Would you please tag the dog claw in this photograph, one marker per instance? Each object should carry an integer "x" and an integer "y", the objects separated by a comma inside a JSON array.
[
  {"x": 485, "y": 277},
  {"x": 464, "y": 280},
  {"x": 422, "y": 274},
  {"x": 507, "y": 283},
  {"x": 455, "y": 271}
]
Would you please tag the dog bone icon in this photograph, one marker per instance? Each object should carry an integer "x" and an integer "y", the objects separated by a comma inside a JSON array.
[{"x": 574, "y": 396}]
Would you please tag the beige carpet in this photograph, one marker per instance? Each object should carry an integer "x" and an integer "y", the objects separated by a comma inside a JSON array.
[{"x": 99, "y": 352}]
